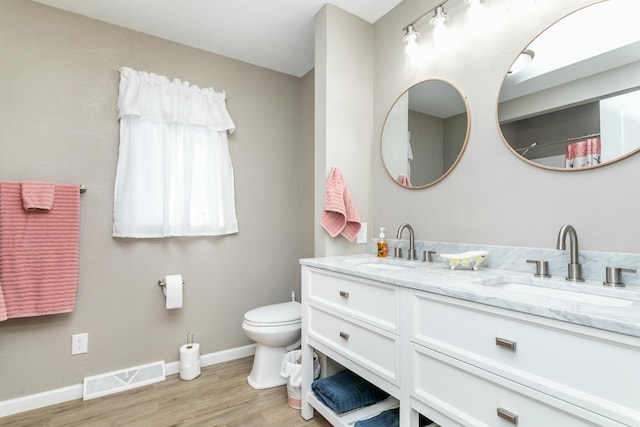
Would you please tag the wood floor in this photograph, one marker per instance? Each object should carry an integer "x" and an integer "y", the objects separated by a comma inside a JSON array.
[{"x": 219, "y": 397}]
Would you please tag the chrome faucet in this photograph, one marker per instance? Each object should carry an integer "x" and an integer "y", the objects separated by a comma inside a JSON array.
[
  {"x": 574, "y": 267},
  {"x": 412, "y": 249}
]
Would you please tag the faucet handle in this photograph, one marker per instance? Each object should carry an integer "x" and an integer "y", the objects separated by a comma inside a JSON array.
[
  {"x": 397, "y": 252},
  {"x": 542, "y": 268},
  {"x": 613, "y": 276},
  {"x": 427, "y": 256}
]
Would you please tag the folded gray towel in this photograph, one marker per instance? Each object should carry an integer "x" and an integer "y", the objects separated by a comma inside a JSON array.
[
  {"x": 345, "y": 391},
  {"x": 390, "y": 418}
]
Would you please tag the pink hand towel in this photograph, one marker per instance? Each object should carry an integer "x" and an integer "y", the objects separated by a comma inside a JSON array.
[
  {"x": 340, "y": 215},
  {"x": 404, "y": 180},
  {"x": 38, "y": 195}
]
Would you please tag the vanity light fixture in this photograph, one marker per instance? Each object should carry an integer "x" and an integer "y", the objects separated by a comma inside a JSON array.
[
  {"x": 437, "y": 21},
  {"x": 439, "y": 17},
  {"x": 410, "y": 33},
  {"x": 413, "y": 50},
  {"x": 523, "y": 60}
]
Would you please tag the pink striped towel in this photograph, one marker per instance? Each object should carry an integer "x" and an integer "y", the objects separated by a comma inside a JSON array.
[
  {"x": 38, "y": 253},
  {"x": 38, "y": 195},
  {"x": 404, "y": 180},
  {"x": 340, "y": 215}
]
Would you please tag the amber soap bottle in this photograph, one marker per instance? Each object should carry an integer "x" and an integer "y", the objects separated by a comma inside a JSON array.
[{"x": 383, "y": 250}]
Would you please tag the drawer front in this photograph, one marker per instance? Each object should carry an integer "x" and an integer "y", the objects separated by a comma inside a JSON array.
[
  {"x": 600, "y": 375},
  {"x": 477, "y": 398},
  {"x": 367, "y": 300},
  {"x": 375, "y": 350}
]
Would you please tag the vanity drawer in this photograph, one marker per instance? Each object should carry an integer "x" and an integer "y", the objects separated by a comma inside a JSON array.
[
  {"x": 372, "y": 348},
  {"x": 567, "y": 361},
  {"x": 370, "y": 301},
  {"x": 474, "y": 397}
]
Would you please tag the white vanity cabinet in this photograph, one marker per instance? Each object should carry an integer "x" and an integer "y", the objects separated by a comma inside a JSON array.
[
  {"x": 356, "y": 323},
  {"x": 466, "y": 363},
  {"x": 479, "y": 365}
]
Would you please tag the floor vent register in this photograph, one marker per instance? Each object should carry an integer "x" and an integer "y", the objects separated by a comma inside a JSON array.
[{"x": 125, "y": 379}]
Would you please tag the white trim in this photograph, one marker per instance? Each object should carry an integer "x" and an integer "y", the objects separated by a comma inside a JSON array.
[
  {"x": 40, "y": 400},
  {"x": 73, "y": 392}
]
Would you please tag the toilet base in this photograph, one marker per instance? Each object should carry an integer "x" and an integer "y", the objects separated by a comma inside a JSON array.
[{"x": 265, "y": 372}]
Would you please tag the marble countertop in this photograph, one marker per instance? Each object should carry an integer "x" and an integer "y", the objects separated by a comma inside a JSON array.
[{"x": 618, "y": 311}]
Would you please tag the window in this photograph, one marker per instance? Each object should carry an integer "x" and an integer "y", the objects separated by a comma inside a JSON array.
[{"x": 174, "y": 175}]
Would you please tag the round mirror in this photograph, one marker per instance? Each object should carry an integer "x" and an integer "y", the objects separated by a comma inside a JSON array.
[
  {"x": 571, "y": 100},
  {"x": 425, "y": 134}
]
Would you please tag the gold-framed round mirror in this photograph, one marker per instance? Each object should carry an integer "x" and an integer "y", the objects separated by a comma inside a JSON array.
[
  {"x": 424, "y": 134},
  {"x": 575, "y": 104}
]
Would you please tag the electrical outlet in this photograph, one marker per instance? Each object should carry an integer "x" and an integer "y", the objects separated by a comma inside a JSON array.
[
  {"x": 79, "y": 343},
  {"x": 361, "y": 237}
]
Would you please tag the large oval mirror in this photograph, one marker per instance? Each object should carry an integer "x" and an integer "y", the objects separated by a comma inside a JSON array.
[
  {"x": 576, "y": 103},
  {"x": 425, "y": 134}
]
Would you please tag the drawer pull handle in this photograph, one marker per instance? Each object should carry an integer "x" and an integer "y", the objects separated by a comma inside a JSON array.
[
  {"x": 344, "y": 294},
  {"x": 344, "y": 336},
  {"x": 511, "y": 345},
  {"x": 508, "y": 415}
]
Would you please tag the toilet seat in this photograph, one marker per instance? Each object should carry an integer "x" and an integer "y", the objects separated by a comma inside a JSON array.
[{"x": 286, "y": 313}]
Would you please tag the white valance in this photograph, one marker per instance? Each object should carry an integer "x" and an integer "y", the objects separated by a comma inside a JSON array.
[{"x": 156, "y": 98}]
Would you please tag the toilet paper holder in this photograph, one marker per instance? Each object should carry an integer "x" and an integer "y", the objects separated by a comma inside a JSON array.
[
  {"x": 162, "y": 283},
  {"x": 189, "y": 339}
]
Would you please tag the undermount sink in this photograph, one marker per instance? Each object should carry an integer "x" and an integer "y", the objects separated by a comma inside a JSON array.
[
  {"x": 384, "y": 266},
  {"x": 518, "y": 284},
  {"x": 387, "y": 264}
]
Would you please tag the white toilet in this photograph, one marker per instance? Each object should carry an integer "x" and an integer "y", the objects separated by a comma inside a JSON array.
[{"x": 276, "y": 330}]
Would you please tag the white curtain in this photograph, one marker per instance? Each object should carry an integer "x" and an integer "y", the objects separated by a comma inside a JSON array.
[{"x": 174, "y": 176}]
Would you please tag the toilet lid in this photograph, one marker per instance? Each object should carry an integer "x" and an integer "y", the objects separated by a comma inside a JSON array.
[{"x": 276, "y": 313}]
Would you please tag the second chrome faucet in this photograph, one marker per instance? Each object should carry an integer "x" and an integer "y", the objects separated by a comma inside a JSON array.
[
  {"x": 574, "y": 268},
  {"x": 397, "y": 252}
]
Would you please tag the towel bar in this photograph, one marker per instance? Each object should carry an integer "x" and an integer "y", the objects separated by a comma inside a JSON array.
[
  {"x": 161, "y": 282},
  {"x": 83, "y": 189}
]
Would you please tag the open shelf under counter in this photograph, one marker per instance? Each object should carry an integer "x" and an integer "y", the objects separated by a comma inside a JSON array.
[{"x": 349, "y": 418}]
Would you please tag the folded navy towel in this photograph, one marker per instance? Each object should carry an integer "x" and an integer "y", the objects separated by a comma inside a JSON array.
[
  {"x": 345, "y": 391},
  {"x": 390, "y": 418}
]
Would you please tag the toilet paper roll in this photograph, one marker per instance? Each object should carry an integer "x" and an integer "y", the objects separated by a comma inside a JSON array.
[
  {"x": 189, "y": 356},
  {"x": 173, "y": 290},
  {"x": 189, "y": 361}
]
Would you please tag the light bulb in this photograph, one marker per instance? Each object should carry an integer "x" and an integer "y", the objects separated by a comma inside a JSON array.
[
  {"x": 413, "y": 50},
  {"x": 439, "y": 17}
]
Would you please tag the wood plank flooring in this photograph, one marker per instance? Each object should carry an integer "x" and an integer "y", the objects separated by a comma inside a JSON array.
[{"x": 220, "y": 397}]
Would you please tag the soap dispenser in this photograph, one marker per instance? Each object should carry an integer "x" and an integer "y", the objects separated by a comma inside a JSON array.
[{"x": 382, "y": 245}]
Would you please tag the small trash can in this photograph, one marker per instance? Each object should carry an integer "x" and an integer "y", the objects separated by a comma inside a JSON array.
[{"x": 291, "y": 370}]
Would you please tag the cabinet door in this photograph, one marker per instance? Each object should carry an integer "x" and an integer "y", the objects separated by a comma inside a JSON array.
[
  {"x": 474, "y": 397},
  {"x": 374, "y": 349},
  {"x": 369, "y": 301},
  {"x": 598, "y": 373}
]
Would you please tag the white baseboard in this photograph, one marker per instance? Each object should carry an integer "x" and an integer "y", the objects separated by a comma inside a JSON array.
[
  {"x": 73, "y": 392},
  {"x": 40, "y": 400}
]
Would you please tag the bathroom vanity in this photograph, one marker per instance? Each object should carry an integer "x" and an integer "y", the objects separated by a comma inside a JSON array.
[{"x": 473, "y": 348}]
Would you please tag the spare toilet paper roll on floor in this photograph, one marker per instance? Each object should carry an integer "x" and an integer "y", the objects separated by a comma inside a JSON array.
[
  {"x": 189, "y": 361},
  {"x": 173, "y": 290}
]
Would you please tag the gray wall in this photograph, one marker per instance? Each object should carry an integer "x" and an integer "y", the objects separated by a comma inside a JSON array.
[
  {"x": 343, "y": 115},
  {"x": 59, "y": 86},
  {"x": 492, "y": 197}
]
